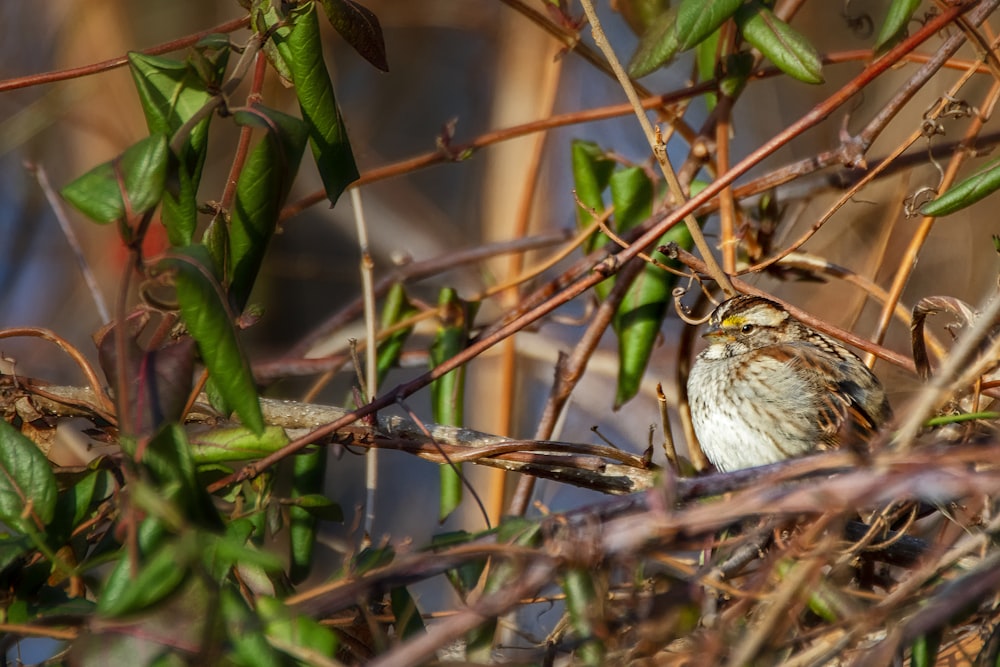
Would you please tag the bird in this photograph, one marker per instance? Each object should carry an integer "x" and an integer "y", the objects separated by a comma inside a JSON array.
[{"x": 768, "y": 388}]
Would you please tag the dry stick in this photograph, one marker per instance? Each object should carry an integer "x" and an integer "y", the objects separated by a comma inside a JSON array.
[
  {"x": 870, "y": 287},
  {"x": 371, "y": 354},
  {"x": 105, "y": 403},
  {"x": 74, "y": 243},
  {"x": 120, "y": 61},
  {"x": 909, "y": 259},
  {"x": 727, "y": 203},
  {"x": 610, "y": 265},
  {"x": 658, "y": 148},
  {"x": 423, "y": 646},
  {"x": 570, "y": 369}
]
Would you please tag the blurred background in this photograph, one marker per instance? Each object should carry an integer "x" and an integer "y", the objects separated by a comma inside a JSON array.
[{"x": 474, "y": 66}]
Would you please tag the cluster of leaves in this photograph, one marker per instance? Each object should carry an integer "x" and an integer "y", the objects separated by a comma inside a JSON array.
[
  {"x": 178, "y": 561},
  {"x": 666, "y": 31},
  {"x": 633, "y": 197}
]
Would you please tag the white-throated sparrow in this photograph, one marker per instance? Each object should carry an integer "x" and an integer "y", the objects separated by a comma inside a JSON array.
[{"x": 768, "y": 388}]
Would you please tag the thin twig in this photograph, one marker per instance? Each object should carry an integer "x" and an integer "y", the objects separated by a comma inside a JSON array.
[
  {"x": 74, "y": 243},
  {"x": 371, "y": 352}
]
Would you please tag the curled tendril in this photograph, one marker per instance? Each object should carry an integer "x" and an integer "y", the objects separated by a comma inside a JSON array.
[
  {"x": 682, "y": 311},
  {"x": 861, "y": 25},
  {"x": 912, "y": 204}
]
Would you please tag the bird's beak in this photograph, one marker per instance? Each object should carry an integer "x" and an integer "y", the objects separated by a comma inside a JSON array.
[{"x": 714, "y": 334}]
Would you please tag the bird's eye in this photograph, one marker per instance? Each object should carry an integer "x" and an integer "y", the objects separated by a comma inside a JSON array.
[{"x": 746, "y": 328}]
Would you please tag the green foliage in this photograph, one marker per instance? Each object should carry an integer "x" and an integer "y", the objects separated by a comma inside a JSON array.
[
  {"x": 137, "y": 175},
  {"x": 984, "y": 182},
  {"x": 692, "y": 23},
  {"x": 779, "y": 42},
  {"x": 27, "y": 486},
  {"x": 204, "y": 309},
  {"x": 448, "y": 391},
  {"x": 638, "y": 318},
  {"x": 894, "y": 26},
  {"x": 303, "y": 49}
]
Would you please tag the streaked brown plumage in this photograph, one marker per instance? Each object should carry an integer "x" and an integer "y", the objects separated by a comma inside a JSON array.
[{"x": 768, "y": 388}]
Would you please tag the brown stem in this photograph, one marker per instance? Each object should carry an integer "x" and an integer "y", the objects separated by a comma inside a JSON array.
[{"x": 120, "y": 61}]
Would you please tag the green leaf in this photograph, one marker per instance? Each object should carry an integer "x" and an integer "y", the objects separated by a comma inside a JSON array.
[
  {"x": 360, "y": 28},
  {"x": 266, "y": 21},
  {"x": 302, "y": 48},
  {"x": 162, "y": 567},
  {"x": 246, "y": 632},
  {"x": 220, "y": 553},
  {"x": 297, "y": 635},
  {"x": 780, "y": 43},
  {"x": 261, "y": 191},
  {"x": 397, "y": 308},
  {"x": 171, "y": 93},
  {"x": 640, "y": 13},
  {"x": 706, "y": 60},
  {"x": 371, "y": 558},
  {"x": 592, "y": 170},
  {"x": 12, "y": 547},
  {"x": 407, "y": 615},
  {"x": 143, "y": 168},
  {"x": 308, "y": 480},
  {"x": 657, "y": 45},
  {"x": 448, "y": 391},
  {"x": 583, "y": 605},
  {"x": 465, "y": 577},
  {"x": 738, "y": 68},
  {"x": 28, "y": 491},
  {"x": 924, "y": 649},
  {"x": 519, "y": 532},
  {"x": 894, "y": 27},
  {"x": 73, "y": 506},
  {"x": 204, "y": 310},
  {"x": 237, "y": 443},
  {"x": 697, "y": 19},
  {"x": 168, "y": 457},
  {"x": 984, "y": 182},
  {"x": 319, "y": 506},
  {"x": 638, "y": 318}
]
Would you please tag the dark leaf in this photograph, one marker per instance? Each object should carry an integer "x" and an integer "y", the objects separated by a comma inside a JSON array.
[
  {"x": 308, "y": 477},
  {"x": 360, "y": 28}
]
